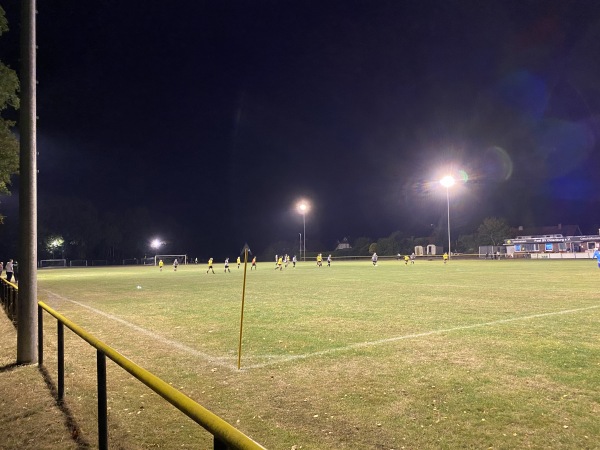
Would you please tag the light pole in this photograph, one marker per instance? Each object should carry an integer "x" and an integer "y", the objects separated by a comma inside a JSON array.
[
  {"x": 447, "y": 182},
  {"x": 300, "y": 244},
  {"x": 303, "y": 208}
]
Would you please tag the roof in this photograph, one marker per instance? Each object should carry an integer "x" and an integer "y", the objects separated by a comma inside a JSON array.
[{"x": 565, "y": 230}]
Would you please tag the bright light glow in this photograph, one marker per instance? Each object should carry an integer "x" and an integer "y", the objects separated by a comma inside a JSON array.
[
  {"x": 302, "y": 206},
  {"x": 447, "y": 181},
  {"x": 156, "y": 243},
  {"x": 57, "y": 242}
]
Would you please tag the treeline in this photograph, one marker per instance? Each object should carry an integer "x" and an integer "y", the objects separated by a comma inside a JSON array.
[{"x": 492, "y": 231}]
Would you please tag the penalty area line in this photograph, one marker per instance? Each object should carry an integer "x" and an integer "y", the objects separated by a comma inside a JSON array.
[
  {"x": 219, "y": 361},
  {"x": 358, "y": 345}
]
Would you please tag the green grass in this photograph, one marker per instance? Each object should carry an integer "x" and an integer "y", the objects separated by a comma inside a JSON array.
[{"x": 474, "y": 354}]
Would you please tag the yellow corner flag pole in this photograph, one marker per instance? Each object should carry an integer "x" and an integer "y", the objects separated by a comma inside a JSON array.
[{"x": 243, "y": 297}]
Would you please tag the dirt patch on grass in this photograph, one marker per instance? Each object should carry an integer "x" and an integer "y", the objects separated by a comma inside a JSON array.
[{"x": 29, "y": 415}]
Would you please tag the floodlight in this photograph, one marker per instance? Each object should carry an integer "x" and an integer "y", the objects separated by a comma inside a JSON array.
[
  {"x": 448, "y": 181},
  {"x": 303, "y": 206}
]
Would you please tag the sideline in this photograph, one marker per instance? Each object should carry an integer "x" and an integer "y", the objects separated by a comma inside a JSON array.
[
  {"x": 178, "y": 345},
  {"x": 277, "y": 359}
]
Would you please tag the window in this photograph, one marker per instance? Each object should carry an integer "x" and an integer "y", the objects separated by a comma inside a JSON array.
[{"x": 549, "y": 247}]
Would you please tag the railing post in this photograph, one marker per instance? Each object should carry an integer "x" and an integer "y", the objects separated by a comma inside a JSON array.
[
  {"x": 102, "y": 404},
  {"x": 40, "y": 336},
  {"x": 61, "y": 361},
  {"x": 218, "y": 444}
]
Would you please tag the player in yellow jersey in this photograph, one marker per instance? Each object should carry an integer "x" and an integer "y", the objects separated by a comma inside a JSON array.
[
  {"x": 160, "y": 264},
  {"x": 239, "y": 261},
  {"x": 210, "y": 265},
  {"x": 406, "y": 258},
  {"x": 279, "y": 263},
  {"x": 319, "y": 260},
  {"x": 445, "y": 258}
]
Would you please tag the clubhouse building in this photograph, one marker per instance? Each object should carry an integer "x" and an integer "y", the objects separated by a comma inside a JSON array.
[{"x": 562, "y": 241}]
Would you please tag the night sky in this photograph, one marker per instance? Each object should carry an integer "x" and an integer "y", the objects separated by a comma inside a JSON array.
[{"x": 217, "y": 116}]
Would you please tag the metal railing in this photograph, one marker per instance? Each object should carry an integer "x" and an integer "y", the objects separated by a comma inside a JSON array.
[
  {"x": 9, "y": 297},
  {"x": 225, "y": 435}
]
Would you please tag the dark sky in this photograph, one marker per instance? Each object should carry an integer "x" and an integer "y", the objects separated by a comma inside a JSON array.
[{"x": 218, "y": 115}]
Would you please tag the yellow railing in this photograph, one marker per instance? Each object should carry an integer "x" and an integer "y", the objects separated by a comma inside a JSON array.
[
  {"x": 225, "y": 435},
  {"x": 9, "y": 297}
]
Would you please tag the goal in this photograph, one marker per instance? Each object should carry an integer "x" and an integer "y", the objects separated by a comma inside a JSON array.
[
  {"x": 168, "y": 259},
  {"x": 51, "y": 263},
  {"x": 78, "y": 263}
]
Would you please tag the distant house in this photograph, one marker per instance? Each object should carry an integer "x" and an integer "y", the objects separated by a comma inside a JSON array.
[
  {"x": 561, "y": 241},
  {"x": 343, "y": 245}
]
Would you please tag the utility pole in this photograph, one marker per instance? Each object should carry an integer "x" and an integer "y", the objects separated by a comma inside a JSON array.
[{"x": 27, "y": 319}]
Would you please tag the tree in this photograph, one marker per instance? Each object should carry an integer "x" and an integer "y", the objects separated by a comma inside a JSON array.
[
  {"x": 493, "y": 231},
  {"x": 9, "y": 98},
  {"x": 361, "y": 246}
]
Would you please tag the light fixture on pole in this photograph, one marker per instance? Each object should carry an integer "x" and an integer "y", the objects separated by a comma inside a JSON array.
[
  {"x": 303, "y": 208},
  {"x": 447, "y": 182},
  {"x": 156, "y": 243}
]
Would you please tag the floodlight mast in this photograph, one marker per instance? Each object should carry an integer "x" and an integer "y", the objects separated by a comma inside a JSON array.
[
  {"x": 303, "y": 209},
  {"x": 447, "y": 182}
]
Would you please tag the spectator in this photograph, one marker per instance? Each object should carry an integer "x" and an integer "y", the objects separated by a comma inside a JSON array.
[{"x": 9, "y": 270}]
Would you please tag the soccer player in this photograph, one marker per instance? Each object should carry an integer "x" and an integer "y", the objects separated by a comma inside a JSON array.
[
  {"x": 227, "y": 265},
  {"x": 319, "y": 260},
  {"x": 374, "y": 259},
  {"x": 210, "y": 265},
  {"x": 445, "y": 258},
  {"x": 412, "y": 257},
  {"x": 597, "y": 256},
  {"x": 329, "y": 261},
  {"x": 294, "y": 261},
  {"x": 406, "y": 258},
  {"x": 175, "y": 264},
  {"x": 279, "y": 263},
  {"x": 160, "y": 264},
  {"x": 253, "y": 266},
  {"x": 239, "y": 261}
]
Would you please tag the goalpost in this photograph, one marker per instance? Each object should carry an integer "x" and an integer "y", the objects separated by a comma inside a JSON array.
[
  {"x": 168, "y": 259},
  {"x": 78, "y": 263},
  {"x": 49, "y": 263}
]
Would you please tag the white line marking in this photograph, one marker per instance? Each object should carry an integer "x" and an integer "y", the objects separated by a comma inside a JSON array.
[
  {"x": 413, "y": 336},
  {"x": 220, "y": 361}
]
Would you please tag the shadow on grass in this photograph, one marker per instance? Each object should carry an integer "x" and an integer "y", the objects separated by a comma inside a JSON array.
[
  {"x": 8, "y": 367},
  {"x": 70, "y": 421}
]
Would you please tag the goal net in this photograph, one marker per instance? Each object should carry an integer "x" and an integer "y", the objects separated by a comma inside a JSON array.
[
  {"x": 148, "y": 261},
  {"x": 50, "y": 263},
  {"x": 168, "y": 259},
  {"x": 78, "y": 263}
]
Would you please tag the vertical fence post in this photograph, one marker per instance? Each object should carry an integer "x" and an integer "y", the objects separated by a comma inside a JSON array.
[
  {"x": 218, "y": 444},
  {"x": 61, "y": 361},
  {"x": 40, "y": 336},
  {"x": 102, "y": 404}
]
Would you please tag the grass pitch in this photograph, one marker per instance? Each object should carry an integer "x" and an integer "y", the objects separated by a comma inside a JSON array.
[{"x": 472, "y": 354}]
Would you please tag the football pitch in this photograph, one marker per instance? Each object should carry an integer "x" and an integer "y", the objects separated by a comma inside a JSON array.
[{"x": 472, "y": 354}]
